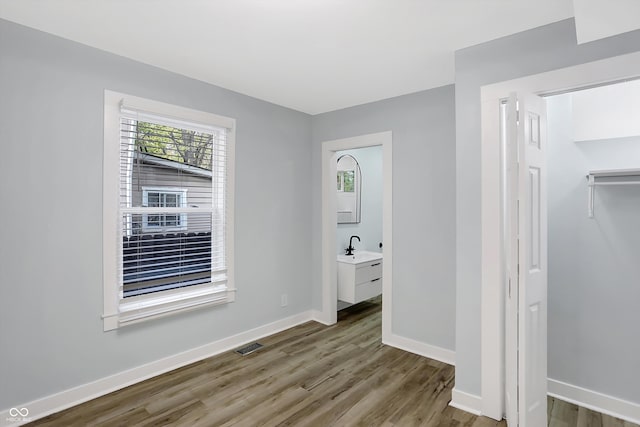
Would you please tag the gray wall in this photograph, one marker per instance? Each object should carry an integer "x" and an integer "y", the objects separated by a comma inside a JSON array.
[
  {"x": 593, "y": 263},
  {"x": 423, "y": 205},
  {"x": 51, "y": 131},
  {"x": 370, "y": 227},
  {"x": 535, "y": 51}
]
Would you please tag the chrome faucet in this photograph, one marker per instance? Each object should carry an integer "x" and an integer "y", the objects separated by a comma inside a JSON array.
[{"x": 350, "y": 249}]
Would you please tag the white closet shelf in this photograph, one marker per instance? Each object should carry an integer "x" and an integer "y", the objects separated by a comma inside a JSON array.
[{"x": 627, "y": 177}]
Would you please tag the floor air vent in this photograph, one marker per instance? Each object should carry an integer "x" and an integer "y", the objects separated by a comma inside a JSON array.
[{"x": 247, "y": 349}]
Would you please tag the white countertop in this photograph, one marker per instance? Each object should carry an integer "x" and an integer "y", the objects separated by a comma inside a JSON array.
[{"x": 360, "y": 256}]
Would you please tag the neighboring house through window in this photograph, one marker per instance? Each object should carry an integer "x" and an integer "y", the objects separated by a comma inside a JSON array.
[{"x": 168, "y": 209}]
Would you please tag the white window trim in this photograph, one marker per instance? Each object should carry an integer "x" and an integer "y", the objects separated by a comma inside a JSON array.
[
  {"x": 116, "y": 311},
  {"x": 182, "y": 192}
]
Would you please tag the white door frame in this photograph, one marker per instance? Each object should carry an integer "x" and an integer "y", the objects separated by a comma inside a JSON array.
[
  {"x": 492, "y": 286},
  {"x": 330, "y": 219}
]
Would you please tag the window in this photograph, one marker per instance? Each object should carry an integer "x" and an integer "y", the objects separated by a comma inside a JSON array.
[
  {"x": 161, "y": 197},
  {"x": 346, "y": 181},
  {"x": 168, "y": 209}
]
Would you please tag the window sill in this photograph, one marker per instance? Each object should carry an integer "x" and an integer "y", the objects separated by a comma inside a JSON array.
[{"x": 151, "y": 306}]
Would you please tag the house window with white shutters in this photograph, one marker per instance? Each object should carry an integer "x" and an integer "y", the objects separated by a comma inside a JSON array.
[{"x": 164, "y": 197}]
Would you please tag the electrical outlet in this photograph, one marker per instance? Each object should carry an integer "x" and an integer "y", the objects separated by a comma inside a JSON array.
[{"x": 283, "y": 300}]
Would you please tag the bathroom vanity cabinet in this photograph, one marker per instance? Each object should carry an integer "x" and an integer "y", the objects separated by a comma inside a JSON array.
[{"x": 359, "y": 278}]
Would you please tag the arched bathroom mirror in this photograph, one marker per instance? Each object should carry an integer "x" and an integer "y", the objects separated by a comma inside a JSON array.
[{"x": 349, "y": 184}]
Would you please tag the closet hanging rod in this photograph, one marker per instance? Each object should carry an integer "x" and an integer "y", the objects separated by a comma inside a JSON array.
[
  {"x": 617, "y": 183},
  {"x": 617, "y": 173}
]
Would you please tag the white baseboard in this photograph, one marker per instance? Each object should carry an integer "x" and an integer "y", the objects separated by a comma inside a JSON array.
[
  {"x": 593, "y": 400},
  {"x": 318, "y": 316},
  {"x": 65, "y": 399},
  {"x": 466, "y": 402},
  {"x": 420, "y": 348},
  {"x": 589, "y": 399}
]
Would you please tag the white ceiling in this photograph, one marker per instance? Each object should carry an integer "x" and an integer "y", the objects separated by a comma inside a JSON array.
[
  {"x": 310, "y": 55},
  {"x": 597, "y": 19}
]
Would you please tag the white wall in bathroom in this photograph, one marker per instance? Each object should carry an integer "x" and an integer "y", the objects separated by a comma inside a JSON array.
[{"x": 370, "y": 227}]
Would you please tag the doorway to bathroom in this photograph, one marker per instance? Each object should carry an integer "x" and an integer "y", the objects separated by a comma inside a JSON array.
[
  {"x": 331, "y": 152},
  {"x": 359, "y": 227}
]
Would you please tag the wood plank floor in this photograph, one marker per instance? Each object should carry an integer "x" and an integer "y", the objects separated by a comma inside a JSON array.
[
  {"x": 563, "y": 414},
  {"x": 310, "y": 375}
]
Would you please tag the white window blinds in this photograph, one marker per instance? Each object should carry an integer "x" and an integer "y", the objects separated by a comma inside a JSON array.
[{"x": 173, "y": 176}]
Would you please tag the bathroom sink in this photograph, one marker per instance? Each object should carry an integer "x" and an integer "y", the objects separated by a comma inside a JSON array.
[{"x": 360, "y": 256}]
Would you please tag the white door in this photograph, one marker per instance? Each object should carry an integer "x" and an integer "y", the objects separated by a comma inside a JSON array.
[
  {"x": 511, "y": 251},
  {"x": 526, "y": 314}
]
